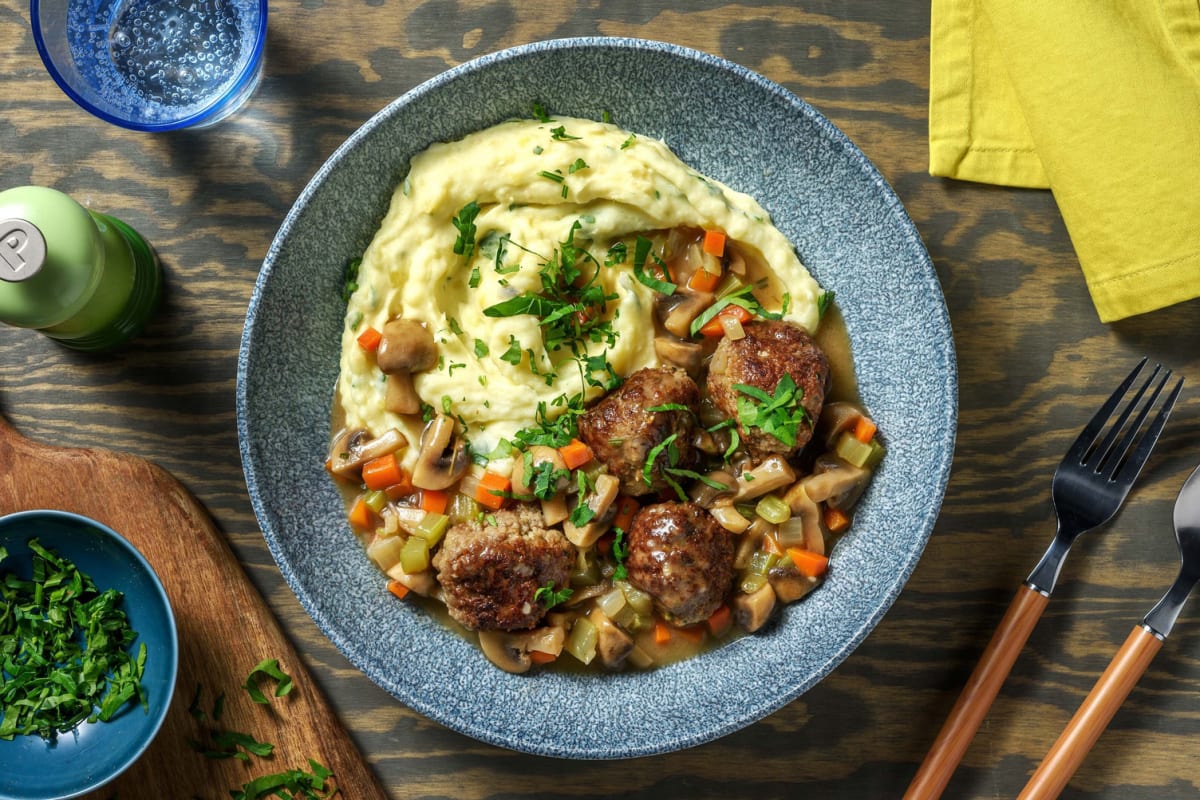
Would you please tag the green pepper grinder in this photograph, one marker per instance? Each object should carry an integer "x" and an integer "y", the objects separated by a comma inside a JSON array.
[{"x": 85, "y": 279}]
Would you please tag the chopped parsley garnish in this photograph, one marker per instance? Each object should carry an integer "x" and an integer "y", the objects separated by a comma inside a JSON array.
[
  {"x": 640, "y": 253},
  {"x": 628, "y": 143},
  {"x": 481, "y": 349},
  {"x": 550, "y": 597},
  {"x": 455, "y": 328},
  {"x": 560, "y": 134},
  {"x": 616, "y": 255},
  {"x": 464, "y": 222},
  {"x": 268, "y": 668},
  {"x": 65, "y": 650},
  {"x": 576, "y": 166},
  {"x": 350, "y": 281},
  {"x": 513, "y": 354},
  {"x": 539, "y": 113},
  {"x": 670, "y": 407},
  {"x": 619, "y": 551},
  {"x": 672, "y": 471},
  {"x": 474, "y": 278},
  {"x": 744, "y": 297},
  {"x": 779, "y": 415},
  {"x": 824, "y": 301}
]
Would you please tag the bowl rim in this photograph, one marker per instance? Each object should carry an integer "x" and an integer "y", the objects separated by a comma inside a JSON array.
[
  {"x": 945, "y": 437},
  {"x": 150, "y": 733}
]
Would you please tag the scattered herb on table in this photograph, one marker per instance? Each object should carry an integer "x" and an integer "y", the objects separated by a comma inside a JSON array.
[
  {"x": 268, "y": 668},
  {"x": 64, "y": 646}
]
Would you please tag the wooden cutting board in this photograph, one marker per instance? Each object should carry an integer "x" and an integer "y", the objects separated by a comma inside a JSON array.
[{"x": 225, "y": 627}]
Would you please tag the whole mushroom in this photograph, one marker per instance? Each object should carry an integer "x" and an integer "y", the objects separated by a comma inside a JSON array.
[{"x": 407, "y": 347}]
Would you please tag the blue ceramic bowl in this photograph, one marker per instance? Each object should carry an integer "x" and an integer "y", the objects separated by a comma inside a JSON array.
[
  {"x": 849, "y": 229},
  {"x": 92, "y": 754}
]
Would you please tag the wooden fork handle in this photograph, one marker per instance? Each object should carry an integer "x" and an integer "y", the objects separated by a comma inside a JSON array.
[
  {"x": 977, "y": 696},
  {"x": 1093, "y": 716}
]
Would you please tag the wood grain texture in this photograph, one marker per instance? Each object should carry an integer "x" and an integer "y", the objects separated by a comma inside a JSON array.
[
  {"x": 225, "y": 628},
  {"x": 1034, "y": 363}
]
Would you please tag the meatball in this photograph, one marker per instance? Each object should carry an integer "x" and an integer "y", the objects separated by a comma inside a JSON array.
[
  {"x": 768, "y": 351},
  {"x": 490, "y": 571},
  {"x": 621, "y": 432},
  {"x": 680, "y": 556}
]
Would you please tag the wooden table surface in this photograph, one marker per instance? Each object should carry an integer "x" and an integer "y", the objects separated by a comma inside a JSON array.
[{"x": 1033, "y": 361}]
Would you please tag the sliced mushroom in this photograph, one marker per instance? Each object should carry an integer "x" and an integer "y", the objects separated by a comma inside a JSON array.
[
  {"x": 729, "y": 518},
  {"x": 706, "y": 496},
  {"x": 508, "y": 651},
  {"x": 806, "y": 528},
  {"x": 773, "y": 473},
  {"x": 353, "y": 448},
  {"x": 688, "y": 355},
  {"x": 407, "y": 347},
  {"x": 601, "y": 503},
  {"x": 423, "y": 583},
  {"x": 836, "y": 482},
  {"x": 835, "y": 419},
  {"x": 677, "y": 311},
  {"x": 789, "y": 584},
  {"x": 443, "y": 457},
  {"x": 613, "y": 645},
  {"x": 751, "y": 611}
]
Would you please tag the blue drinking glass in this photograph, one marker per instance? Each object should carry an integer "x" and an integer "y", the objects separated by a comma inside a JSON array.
[{"x": 153, "y": 65}]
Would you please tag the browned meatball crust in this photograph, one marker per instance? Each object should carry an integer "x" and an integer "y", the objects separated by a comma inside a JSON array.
[
  {"x": 621, "y": 432},
  {"x": 680, "y": 556},
  {"x": 768, "y": 351},
  {"x": 489, "y": 571}
]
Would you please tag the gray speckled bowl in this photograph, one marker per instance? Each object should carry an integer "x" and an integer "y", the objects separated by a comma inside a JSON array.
[{"x": 849, "y": 229}]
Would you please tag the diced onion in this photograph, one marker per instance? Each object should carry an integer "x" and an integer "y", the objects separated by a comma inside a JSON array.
[
  {"x": 612, "y": 602},
  {"x": 732, "y": 327},
  {"x": 385, "y": 551}
]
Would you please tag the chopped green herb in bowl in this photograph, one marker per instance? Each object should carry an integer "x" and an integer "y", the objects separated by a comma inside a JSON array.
[{"x": 88, "y": 654}]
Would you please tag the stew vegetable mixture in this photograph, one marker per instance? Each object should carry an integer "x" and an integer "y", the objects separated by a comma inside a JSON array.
[{"x": 581, "y": 406}]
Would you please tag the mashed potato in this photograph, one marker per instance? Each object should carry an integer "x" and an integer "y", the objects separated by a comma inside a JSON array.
[{"x": 539, "y": 187}]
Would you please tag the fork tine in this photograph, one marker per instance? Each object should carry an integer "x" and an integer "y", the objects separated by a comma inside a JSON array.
[
  {"x": 1113, "y": 454},
  {"x": 1098, "y": 457},
  {"x": 1087, "y": 436},
  {"x": 1133, "y": 464}
]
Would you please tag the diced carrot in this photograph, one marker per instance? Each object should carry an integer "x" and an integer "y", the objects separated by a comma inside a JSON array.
[
  {"x": 369, "y": 340},
  {"x": 575, "y": 453},
  {"x": 720, "y": 621},
  {"x": 361, "y": 516},
  {"x": 626, "y": 508},
  {"x": 604, "y": 543},
  {"x": 397, "y": 588},
  {"x": 380, "y": 473},
  {"x": 401, "y": 488},
  {"x": 714, "y": 328},
  {"x": 836, "y": 519},
  {"x": 704, "y": 281},
  {"x": 662, "y": 632},
  {"x": 714, "y": 243},
  {"x": 540, "y": 657},
  {"x": 809, "y": 564},
  {"x": 434, "y": 500},
  {"x": 491, "y": 490},
  {"x": 864, "y": 430},
  {"x": 693, "y": 633}
]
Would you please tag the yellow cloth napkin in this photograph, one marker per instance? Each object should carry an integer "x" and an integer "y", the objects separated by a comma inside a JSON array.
[{"x": 1097, "y": 100}]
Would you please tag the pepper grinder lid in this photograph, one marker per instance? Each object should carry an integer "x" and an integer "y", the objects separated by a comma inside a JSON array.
[
  {"x": 22, "y": 250},
  {"x": 51, "y": 257}
]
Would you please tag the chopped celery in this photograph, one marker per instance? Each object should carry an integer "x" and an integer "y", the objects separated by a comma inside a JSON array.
[
  {"x": 414, "y": 556},
  {"x": 463, "y": 508},
  {"x": 375, "y": 500},
  {"x": 773, "y": 509},
  {"x": 761, "y": 562},
  {"x": 385, "y": 552},
  {"x": 752, "y": 582},
  {"x": 431, "y": 527},
  {"x": 638, "y": 600},
  {"x": 850, "y": 449},
  {"x": 587, "y": 571},
  {"x": 878, "y": 451},
  {"x": 581, "y": 643}
]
